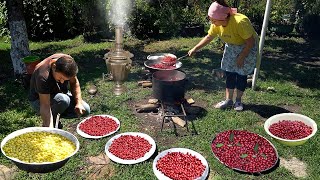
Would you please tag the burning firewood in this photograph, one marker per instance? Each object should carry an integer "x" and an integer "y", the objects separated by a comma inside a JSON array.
[{"x": 147, "y": 107}]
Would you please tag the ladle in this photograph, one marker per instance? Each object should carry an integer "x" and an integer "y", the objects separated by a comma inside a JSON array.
[{"x": 182, "y": 57}]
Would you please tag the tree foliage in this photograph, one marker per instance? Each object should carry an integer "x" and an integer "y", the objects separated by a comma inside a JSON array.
[{"x": 61, "y": 19}]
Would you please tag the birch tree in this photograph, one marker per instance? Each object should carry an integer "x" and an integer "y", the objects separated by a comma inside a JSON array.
[{"x": 19, "y": 35}]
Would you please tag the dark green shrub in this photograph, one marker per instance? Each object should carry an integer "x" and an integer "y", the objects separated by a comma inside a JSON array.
[
  {"x": 52, "y": 19},
  {"x": 144, "y": 19},
  {"x": 309, "y": 26},
  {"x": 254, "y": 10},
  {"x": 308, "y": 18}
]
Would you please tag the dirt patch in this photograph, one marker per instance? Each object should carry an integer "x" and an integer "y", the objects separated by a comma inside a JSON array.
[
  {"x": 292, "y": 108},
  {"x": 213, "y": 175},
  {"x": 295, "y": 166},
  {"x": 7, "y": 173},
  {"x": 150, "y": 122},
  {"x": 71, "y": 127},
  {"x": 99, "y": 167}
]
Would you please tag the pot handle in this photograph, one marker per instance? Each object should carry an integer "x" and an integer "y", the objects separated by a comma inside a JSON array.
[{"x": 128, "y": 66}]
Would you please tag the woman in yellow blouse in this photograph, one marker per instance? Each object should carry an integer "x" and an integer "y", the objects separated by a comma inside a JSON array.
[{"x": 239, "y": 57}]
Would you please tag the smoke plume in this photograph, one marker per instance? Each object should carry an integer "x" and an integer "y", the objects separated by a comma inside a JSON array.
[{"x": 120, "y": 11}]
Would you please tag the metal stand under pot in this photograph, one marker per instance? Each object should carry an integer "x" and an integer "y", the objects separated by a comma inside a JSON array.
[{"x": 169, "y": 88}]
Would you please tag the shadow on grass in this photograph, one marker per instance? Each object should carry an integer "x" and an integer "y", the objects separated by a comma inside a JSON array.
[
  {"x": 295, "y": 62},
  {"x": 265, "y": 111}
]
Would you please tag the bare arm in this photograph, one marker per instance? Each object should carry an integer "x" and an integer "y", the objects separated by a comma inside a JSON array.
[
  {"x": 204, "y": 41},
  {"x": 249, "y": 43},
  {"x": 45, "y": 110},
  {"x": 76, "y": 93}
]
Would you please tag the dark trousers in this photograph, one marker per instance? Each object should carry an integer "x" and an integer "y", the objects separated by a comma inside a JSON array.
[
  {"x": 236, "y": 81},
  {"x": 61, "y": 103}
]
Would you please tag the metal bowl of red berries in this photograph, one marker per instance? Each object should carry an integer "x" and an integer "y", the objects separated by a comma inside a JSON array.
[
  {"x": 180, "y": 163},
  {"x": 245, "y": 151},
  {"x": 290, "y": 129},
  {"x": 98, "y": 126},
  {"x": 162, "y": 61},
  {"x": 130, "y": 148}
]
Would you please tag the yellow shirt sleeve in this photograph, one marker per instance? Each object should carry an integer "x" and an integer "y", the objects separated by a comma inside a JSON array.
[
  {"x": 245, "y": 29},
  {"x": 213, "y": 30}
]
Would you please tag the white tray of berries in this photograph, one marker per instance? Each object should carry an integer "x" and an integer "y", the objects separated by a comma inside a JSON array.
[
  {"x": 180, "y": 163},
  {"x": 130, "y": 147},
  {"x": 98, "y": 126}
]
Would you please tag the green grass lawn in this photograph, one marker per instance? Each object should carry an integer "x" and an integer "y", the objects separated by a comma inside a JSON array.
[{"x": 290, "y": 65}]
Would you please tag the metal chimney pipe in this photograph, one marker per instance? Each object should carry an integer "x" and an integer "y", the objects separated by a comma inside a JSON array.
[{"x": 119, "y": 38}]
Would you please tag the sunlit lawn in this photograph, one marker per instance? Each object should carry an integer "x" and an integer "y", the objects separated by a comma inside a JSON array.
[{"x": 289, "y": 65}]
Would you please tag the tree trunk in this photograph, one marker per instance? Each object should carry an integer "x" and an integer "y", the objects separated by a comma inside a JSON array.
[{"x": 19, "y": 35}]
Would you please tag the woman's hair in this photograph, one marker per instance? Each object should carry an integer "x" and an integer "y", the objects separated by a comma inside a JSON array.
[
  {"x": 67, "y": 66},
  {"x": 222, "y": 2}
]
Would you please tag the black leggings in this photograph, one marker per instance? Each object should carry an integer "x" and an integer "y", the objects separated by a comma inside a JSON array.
[{"x": 235, "y": 80}]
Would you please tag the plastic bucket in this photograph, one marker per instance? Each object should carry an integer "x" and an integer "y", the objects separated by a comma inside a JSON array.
[{"x": 31, "y": 62}]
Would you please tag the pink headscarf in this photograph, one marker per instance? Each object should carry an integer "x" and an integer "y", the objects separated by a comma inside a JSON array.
[{"x": 219, "y": 12}]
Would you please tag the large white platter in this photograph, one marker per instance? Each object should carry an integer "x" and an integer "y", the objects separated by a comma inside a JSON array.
[
  {"x": 161, "y": 176},
  {"x": 85, "y": 135},
  {"x": 124, "y": 161}
]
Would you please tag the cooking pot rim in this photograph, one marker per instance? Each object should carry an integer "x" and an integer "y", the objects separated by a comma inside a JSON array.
[{"x": 181, "y": 75}]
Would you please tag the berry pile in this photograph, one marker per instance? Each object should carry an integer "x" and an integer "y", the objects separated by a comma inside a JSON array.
[
  {"x": 292, "y": 130},
  {"x": 245, "y": 151},
  {"x": 39, "y": 147},
  {"x": 98, "y": 126},
  {"x": 130, "y": 147},
  {"x": 178, "y": 165},
  {"x": 163, "y": 66},
  {"x": 168, "y": 60}
]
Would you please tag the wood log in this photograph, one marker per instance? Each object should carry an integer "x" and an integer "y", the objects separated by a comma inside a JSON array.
[
  {"x": 179, "y": 121},
  {"x": 153, "y": 101},
  {"x": 190, "y": 101},
  {"x": 147, "y": 107},
  {"x": 147, "y": 84},
  {"x": 141, "y": 82}
]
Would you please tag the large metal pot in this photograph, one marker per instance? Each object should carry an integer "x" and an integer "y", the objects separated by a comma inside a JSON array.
[{"x": 169, "y": 86}]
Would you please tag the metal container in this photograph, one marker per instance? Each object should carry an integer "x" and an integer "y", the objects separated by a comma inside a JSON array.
[
  {"x": 168, "y": 86},
  {"x": 44, "y": 167},
  {"x": 118, "y": 62}
]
